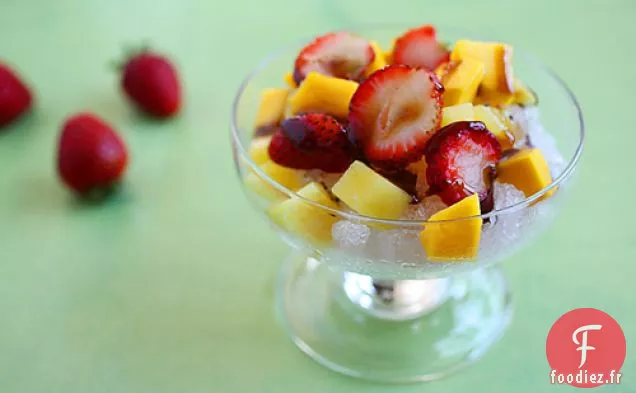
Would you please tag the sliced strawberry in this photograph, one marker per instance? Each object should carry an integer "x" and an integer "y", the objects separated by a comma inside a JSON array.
[
  {"x": 419, "y": 48},
  {"x": 312, "y": 141},
  {"x": 342, "y": 55},
  {"x": 460, "y": 161},
  {"x": 393, "y": 113},
  {"x": 285, "y": 152}
]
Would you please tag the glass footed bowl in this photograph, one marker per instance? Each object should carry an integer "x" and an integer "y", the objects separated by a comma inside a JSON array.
[{"x": 368, "y": 302}]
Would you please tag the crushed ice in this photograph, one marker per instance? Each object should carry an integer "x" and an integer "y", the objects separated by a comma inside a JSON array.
[
  {"x": 425, "y": 209},
  {"x": 528, "y": 119}
]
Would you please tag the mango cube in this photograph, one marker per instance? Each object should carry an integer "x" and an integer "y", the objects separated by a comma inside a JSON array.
[
  {"x": 287, "y": 177},
  {"x": 379, "y": 61},
  {"x": 272, "y": 107},
  {"x": 388, "y": 55},
  {"x": 497, "y": 60},
  {"x": 461, "y": 83},
  {"x": 289, "y": 79},
  {"x": 493, "y": 98},
  {"x": 370, "y": 194},
  {"x": 523, "y": 95},
  {"x": 527, "y": 170},
  {"x": 514, "y": 131},
  {"x": 262, "y": 188},
  {"x": 462, "y": 112},
  {"x": 322, "y": 93},
  {"x": 494, "y": 123},
  {"x": 258, "y": 150},
  {"x": 453, "y": 240},
  {"x": 310, "y": 222}
]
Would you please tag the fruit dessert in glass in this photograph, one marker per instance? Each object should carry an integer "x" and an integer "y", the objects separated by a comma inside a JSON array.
[{"x": 401, "y": 165}]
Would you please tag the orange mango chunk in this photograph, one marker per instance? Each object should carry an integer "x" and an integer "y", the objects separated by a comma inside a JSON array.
[
  {"x": 321, "y": 93},
  {"x": 527, "y": 170},
  {"x": 497, "y": 60},
  {"x": 272, "y": 107},
  {"x": 462, "y": 81},
  {"x": 455, "y": 240},
  {"x": 370, "y": 194}
]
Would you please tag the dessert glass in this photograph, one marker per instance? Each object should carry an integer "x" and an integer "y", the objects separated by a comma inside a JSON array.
[{"x": 370, "y": 304}]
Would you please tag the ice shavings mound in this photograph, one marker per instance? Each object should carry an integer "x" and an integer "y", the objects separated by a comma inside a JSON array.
[
  {"x": 349, "y": 234},
  {"x": 505, "y": 229},
  {"x": 426, "y": 208},
  {"x": 528, "y": 120}
]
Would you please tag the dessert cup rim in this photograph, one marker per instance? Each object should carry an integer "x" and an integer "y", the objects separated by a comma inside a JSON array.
[{"x": 267, "y": 60}]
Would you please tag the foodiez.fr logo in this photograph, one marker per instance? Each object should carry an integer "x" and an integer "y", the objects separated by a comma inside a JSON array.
[{"x": 586, "y": 348}]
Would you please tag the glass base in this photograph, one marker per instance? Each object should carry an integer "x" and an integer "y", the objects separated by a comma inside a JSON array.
[{"x": 421, "y": 331}]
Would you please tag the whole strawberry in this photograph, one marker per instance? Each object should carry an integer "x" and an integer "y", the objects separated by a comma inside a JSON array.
[
  {"x": 91, "y": 155},
  {"x": 151, "y": 82},
  {"x": 15, "y": 97}
]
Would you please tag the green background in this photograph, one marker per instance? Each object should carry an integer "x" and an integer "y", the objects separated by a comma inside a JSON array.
[{"x": 168, "y": 287}]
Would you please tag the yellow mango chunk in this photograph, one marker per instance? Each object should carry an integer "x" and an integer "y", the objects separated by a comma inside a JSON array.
[
  {"x": 523, "y": 95},
  {"x": 321, "y": 93},
  {"x": 262, "y": 188},
  {"x": 290, "y": 178},
  {"x": 495, "y": 125},
  {"x": 370, "y": 194},
  {"x": 258, "y": 149},
  {"x": 289, "y": 79},
  {"x": 515, "y": 132},
  {"x": 455, "y": 240},
  {"x": 388, "y": 55},
  {"x": 299, "y": 217},
  {"x": 443, "y": 69},
  {"x": 379, "y": 61},
  {"x": 527, "y": 170},
  {"x": 462, "y": 112},
  {"x": 272, "y": 107},
  {"x": 461, "y": 83},
  {"x": 494, "y": 99},
  {"x": 497, "y": 60}
]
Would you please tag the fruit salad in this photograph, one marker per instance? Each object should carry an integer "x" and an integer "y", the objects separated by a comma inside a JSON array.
[{"x": 421, "y": 130}]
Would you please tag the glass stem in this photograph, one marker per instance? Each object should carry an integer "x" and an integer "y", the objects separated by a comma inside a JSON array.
[{"x": 395, "y": 299}]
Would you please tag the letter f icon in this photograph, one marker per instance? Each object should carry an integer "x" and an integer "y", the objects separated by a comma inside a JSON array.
[{"x": 584, "y": 347}]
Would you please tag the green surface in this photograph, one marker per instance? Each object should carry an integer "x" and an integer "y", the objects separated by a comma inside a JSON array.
[{"x": 168, "y": 288}]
